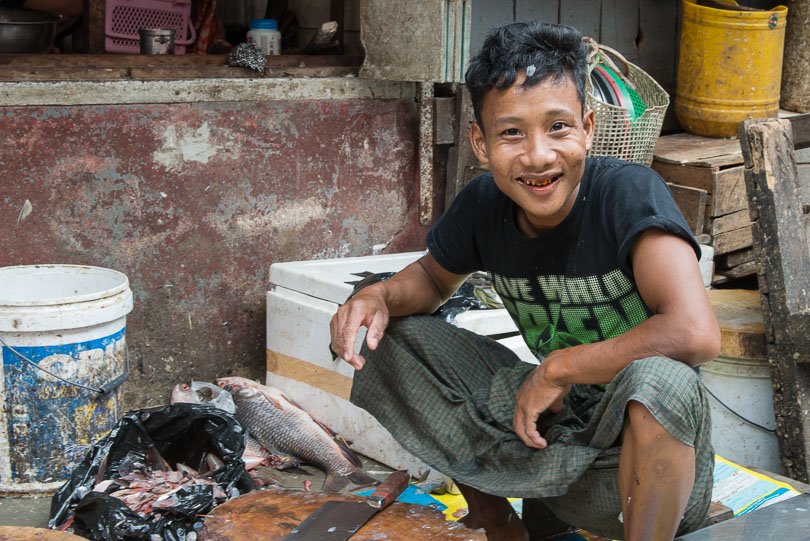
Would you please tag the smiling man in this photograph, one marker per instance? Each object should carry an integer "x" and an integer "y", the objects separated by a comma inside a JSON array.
[{"x": 599, "y": 271}]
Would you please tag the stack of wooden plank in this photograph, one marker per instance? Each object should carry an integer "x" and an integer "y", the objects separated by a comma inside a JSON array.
[{"x": 706, "y": 177}]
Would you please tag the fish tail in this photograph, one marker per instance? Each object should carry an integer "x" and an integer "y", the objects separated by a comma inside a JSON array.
[
  {"x": 336, "y": 483},
  {"x": 361, "y": 478}
]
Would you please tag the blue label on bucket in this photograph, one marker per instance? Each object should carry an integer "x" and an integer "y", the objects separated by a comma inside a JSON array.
[{"x": 51, "y": 423}]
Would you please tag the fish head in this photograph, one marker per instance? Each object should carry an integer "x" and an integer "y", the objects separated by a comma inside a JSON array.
[
  {"x": 241, "y": 394},
  {"x": 183, "y": 393},
  {"x": 236, "y": 380},
  {"x": 232, "y": 388},
  {"x": 247, "y": 392}
]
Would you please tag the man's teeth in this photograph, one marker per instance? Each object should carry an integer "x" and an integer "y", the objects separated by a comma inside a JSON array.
[{"x": 537, "y": 182}]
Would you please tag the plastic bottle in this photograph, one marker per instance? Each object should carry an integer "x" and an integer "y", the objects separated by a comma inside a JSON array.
[{"x": 264, "y": 34}]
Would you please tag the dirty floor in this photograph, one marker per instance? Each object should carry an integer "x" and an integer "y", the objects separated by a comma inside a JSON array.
[{"x": 35, "y": 511}]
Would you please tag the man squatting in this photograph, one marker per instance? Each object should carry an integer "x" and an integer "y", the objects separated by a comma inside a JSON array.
[{"x": 598, "y": 269}]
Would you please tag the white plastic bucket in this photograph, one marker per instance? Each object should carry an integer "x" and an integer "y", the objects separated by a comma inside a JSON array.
[
  {"x": 741, "y": 403},
  {"x": 71, "y": 321}
]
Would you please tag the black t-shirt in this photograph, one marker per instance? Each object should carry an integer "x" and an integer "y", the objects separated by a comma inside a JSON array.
[{"x": 573, "y": 284}]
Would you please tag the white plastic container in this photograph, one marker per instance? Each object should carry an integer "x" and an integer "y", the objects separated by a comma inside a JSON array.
[
  {"x": 71, "y": 321},
  {"x": 742, "y": 411},
  {"x": 303, "y": 297},
  {"x": 739, "y": 383},
  {"x": 264, "y": 34}
]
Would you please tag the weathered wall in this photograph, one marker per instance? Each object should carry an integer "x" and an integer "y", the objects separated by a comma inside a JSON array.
[{"x": 194, "y": 200}]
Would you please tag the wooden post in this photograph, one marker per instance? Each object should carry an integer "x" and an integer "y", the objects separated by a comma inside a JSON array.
[
  {"x": 783, "y": 256},
  {"x": 337, "y": 13},
  {"x": 426, "y": 169},
  {"x": 93, "y": 19},
  {"x": 795, "y": 93}
]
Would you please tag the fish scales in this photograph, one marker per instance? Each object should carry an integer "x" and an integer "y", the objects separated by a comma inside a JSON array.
[{"x": 289, "y": 430}]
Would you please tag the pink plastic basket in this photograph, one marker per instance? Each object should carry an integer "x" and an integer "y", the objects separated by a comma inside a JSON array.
[{"x": 123, "y": 19}]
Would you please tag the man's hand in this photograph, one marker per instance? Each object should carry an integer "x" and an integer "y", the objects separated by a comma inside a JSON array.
[
  {"x": 537, "y": 394},
  {"x": 366, "y": 309},
  {"x": 419, "y": 288}
]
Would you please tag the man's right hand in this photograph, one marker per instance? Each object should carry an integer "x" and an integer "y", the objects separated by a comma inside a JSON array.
[
  {"x": 419, "y": 288},
  {"x": 366, "y": 309}
]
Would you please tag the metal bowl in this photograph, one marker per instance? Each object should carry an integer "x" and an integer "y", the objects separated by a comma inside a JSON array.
[{"x": 26, "y": 30}]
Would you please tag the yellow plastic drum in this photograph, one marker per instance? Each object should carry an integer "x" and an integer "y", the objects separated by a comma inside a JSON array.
[{"x": 729, "y": 66}]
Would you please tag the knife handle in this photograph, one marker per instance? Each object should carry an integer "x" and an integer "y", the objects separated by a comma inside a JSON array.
[{"x": 389, "y": 490}]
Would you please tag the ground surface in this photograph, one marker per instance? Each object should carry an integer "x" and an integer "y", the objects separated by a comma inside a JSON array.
[{"x": 35, "y": 511}]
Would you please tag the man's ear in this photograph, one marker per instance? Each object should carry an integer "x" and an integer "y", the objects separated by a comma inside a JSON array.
[
  {"x": 588, "y": 124},
  {"x": 479, "y": 144}
]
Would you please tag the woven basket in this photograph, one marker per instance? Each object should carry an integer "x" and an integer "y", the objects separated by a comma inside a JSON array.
[{"x": 616, "y": 134}]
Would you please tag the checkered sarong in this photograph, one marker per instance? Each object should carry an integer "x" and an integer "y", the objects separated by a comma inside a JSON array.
[{"x": 448, "y": 396}]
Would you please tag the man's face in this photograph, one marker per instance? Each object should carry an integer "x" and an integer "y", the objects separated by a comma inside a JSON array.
[{"x": 534, "y": 141}]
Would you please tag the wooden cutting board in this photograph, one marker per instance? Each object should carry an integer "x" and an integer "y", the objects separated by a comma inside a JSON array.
[
  {"x": 24, "y": 533},
  {"x": 271, "y": 514}
]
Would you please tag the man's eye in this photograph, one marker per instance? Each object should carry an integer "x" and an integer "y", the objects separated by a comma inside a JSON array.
[
  {"x": 557, "y": 126},
  {"x": 511, "y": 132}
]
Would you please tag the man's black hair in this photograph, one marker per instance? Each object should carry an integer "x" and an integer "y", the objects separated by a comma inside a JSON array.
[{"x": 555, "y": 51}]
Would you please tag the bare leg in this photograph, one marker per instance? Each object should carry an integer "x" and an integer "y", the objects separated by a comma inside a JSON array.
[
  {"x": 656, "y": 475},
  {"x": 494, "y": 514}
]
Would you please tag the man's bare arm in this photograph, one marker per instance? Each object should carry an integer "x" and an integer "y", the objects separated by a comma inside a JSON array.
[
  {"x": 419, "y": 288},
  {"x": 683, "y": 327}
]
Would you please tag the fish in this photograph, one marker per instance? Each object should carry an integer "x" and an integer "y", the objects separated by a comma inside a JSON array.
[
  {"x": 274, "y": 394},
  {"x": 254, "y": 455},
  {"x": 202, "y": 392},
  {"x": 279, "y": 425}
]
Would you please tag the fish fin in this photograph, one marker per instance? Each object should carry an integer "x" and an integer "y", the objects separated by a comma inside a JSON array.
[
  {"x": 344, "y": 441},
  {"x": 360, "y": 477},
  {"x": 350, "y": 455},
  {"x": 334, "y": 483},
  {"x": 332, "y": 433},
  {"x": 270, "y": 399}
]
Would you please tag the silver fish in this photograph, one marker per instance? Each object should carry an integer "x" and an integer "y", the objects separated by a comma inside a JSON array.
[
  {"x": 279, "y": 425},
  {"x": 202, "y": 392}
]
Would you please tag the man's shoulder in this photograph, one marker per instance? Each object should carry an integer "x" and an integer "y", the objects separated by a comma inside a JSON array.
[
  {"x": 482, "y": 192},
  {"x": 482, "y": 184},
  {"x": 607, "y": 166},
  {"x": 614, "y": 174}
]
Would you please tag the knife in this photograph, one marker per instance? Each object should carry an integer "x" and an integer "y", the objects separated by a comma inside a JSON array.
[{"x": 338, "y": 521}]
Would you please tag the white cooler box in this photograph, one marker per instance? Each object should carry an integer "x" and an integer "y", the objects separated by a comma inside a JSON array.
[{"x": 303, "y": 297}]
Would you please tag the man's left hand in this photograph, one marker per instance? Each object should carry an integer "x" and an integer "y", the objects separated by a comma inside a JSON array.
[{"x": 537, "y": 394}]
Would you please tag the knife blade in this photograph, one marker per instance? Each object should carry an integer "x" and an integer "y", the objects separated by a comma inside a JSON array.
[{"x": 338, "y": 521}]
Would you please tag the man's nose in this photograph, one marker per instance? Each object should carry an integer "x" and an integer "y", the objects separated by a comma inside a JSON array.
[{"x": 538, "y": 150}]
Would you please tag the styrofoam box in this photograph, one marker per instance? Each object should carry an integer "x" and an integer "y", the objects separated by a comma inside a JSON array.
[{"x": 302, "y": 298}]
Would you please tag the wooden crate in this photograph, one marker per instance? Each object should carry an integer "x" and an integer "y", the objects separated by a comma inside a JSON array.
[{"x": 692, "y": 164}]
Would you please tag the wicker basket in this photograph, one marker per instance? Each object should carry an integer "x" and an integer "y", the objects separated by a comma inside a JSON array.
[{"x": 616, "y": 133}]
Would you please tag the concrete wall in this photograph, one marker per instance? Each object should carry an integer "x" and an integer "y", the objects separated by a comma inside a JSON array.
[{"x": 193, "y": 189}]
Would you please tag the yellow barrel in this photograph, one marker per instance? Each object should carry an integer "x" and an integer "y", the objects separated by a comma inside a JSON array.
[{"x": 729, "y": 66}]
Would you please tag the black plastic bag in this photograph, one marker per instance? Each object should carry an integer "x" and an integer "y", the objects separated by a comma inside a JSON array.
[{"x": 180, "y": 433}]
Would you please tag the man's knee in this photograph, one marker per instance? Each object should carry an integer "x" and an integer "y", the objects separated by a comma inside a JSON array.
[{"x": 666, "y": 388}]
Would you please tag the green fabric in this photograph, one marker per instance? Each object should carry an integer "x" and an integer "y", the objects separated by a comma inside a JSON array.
[{"x": 447, "y": 395}]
